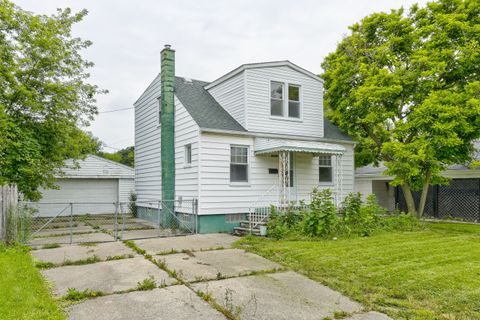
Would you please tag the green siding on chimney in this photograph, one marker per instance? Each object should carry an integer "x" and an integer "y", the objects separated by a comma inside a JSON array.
[{"x": 167, "y": 83}]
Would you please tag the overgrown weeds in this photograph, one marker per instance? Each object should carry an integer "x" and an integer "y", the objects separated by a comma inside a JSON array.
[
  {"x": 321, "y": 218},
  {"x": 75, "y": 295}
]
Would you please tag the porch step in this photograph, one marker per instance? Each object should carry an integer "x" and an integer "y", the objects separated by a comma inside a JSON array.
[
  {"x": 246, "y": 224},
  {"x": 242, "y": 231}
]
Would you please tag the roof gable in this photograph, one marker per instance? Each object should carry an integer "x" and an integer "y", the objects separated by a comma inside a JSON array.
[
  {"x": 243, "y": 67},
  {"x": 96, "y": 167}
]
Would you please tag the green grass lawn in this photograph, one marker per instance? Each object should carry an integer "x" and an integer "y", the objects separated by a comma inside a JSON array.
[
  {"x": 23, "y": 292},
  {"x": 427, "y": 274}
]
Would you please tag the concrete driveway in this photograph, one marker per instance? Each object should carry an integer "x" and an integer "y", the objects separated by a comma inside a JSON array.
[{"x": 189, "y": 277}]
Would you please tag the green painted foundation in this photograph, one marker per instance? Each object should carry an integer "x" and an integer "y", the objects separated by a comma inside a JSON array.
[
  {"x": 215, "y": 223},
  {"x": 211, "y": 223}
]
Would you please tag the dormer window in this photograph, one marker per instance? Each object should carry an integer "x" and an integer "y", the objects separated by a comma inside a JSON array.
[
  {"x": 293, "y": 101},
  {"x": 279, "y": 106},
  {"x": 276, "y": 99}
]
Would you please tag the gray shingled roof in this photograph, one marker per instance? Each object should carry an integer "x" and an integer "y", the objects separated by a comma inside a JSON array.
[
  {"x": 209, "y": 114},
  {"x": 203, "y": 108}
]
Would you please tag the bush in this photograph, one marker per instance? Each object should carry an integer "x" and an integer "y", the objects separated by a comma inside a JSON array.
[
  {"x": 400, "y": 222},
  {"x": 361, "y": 218},
  {"x": 18, "y": 224},
  {"x": 281, "y": 224},
  {"x": 321, "y": 220},
  {"x": 132, "y": 204}
]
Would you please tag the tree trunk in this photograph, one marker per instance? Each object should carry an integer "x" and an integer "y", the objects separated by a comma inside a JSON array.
[
  {"x": 407, "y": 192},
  {"x": 423, "y": 197}
]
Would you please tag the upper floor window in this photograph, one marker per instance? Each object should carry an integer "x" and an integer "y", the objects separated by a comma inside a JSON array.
[
  {"x": 188, "y": 154},
  {"x": 325, "y": 168},
  {"x": 293, "y": 101},
  {"x": 281, "y": 107},
  {"x": 238, "y": 164},
  {"x": 276, "y": 99}
]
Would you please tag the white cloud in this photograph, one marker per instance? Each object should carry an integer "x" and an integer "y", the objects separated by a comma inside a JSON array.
[{"x": 210, "y": 39}]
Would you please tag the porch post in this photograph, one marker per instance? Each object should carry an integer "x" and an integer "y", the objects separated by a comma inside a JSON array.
[
  {"x": 337, "y": 182},
  {"x": 283, "y": 177}
]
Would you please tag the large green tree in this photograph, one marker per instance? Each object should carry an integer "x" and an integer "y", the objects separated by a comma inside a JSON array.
[
  {"x": 124, "y": 156},
  {"x": 45, "y": 98},
  {"x": 406, "y": 85}
]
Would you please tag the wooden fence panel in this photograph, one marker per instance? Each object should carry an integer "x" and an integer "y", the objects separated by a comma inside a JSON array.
[{"x": 8, "y": 198}]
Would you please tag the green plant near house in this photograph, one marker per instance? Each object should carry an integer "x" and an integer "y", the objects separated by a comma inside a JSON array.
[
  {"x": 321, "y": 220},
  {"x": 132, "y": 204},
  {"x": 359, "y": 217}
]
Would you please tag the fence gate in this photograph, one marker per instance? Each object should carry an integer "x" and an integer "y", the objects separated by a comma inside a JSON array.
[
  {"x": 44, "y": 224},
  {"x": 459, "y": 200}
]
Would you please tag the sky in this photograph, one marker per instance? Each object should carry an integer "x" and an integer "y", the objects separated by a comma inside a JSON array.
[{"x": 210, "y": 39}]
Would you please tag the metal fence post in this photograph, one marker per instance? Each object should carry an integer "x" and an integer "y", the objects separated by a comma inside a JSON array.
[
  {"x": 158, "y": 216},
  {"x": 123, "y": 219},
  {"x": 115, "y": 228},
  {"x": 195, "y": 212},
  {"x": 71, "y": 223}
]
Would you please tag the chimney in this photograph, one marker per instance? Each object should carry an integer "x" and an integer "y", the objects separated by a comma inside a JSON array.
[{"x": 167, "y": 78}]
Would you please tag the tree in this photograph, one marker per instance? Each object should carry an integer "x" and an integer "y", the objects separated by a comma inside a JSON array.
[
  {"x": 406, "y": 86},
  {"x": 45, "y": 99},
  {"x": 124, "y": 156}
]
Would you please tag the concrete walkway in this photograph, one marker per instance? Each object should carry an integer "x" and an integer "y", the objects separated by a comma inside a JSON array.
[{"x": 189, "y": 277}]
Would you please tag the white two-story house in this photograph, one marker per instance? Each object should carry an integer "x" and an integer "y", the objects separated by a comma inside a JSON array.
[{"x": 254, "y": 137}]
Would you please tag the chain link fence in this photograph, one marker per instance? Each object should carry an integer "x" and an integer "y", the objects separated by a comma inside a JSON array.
[{"x": 45, "y": 224}]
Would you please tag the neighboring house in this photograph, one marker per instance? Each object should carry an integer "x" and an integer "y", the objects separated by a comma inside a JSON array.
[
  {"x": 460, "y": 199},
  {"x": 93, "y": 187},
  {"x": 254, "y": 137}
]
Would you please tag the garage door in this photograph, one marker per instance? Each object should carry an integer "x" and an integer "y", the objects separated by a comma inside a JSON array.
[{"x": 94, "y": 196}]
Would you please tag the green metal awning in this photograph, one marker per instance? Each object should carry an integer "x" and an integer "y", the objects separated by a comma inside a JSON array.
[{"x": 270, "y": 145}]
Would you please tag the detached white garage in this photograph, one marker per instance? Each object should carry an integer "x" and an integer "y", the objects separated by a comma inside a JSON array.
[{"x": 92, "y": 188}]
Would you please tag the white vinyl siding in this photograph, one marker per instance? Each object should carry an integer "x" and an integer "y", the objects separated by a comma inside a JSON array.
[
  {"x": 88, "y": 195},
  {"x": 186, "y": 174},
  {"x": 125, "y": 187},
  {"x": 231, "y": 96},
  {"x": 220, "y": 196},
  {"x": 148, "y": 175},
  {"x": 258, "y": 102}
]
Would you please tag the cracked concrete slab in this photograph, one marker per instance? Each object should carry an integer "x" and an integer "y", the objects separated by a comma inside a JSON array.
[
  {"x": 285, "y": 295},
  {"x": 108, "y": 277},
  {"x": 172, "y": 303},
  {"x": 208, "y": 265},
  {"x": 80, "y": 252},
  {"x": 76, "y": 238},
  {"x": 57, "y": 231},
  {"x": 191, "y": 242}
]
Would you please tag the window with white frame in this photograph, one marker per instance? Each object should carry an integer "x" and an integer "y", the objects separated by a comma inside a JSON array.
[
  {"x": 276, "y": 99},
  {"x": 188, "y": 154},
  {"x": 293, "y": 101},
  {"x": 238, "y": 164},
  {"x": 325, "y": 168},
  {"x": 281, "y": 107}
]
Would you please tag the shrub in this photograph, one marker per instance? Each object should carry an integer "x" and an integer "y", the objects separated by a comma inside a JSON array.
[
  {"x": 321, "y": 220},
  {"x": 400, "y": 222},
  {"x": 277, "y": 226},
  {"x": 132, "y": 204}
]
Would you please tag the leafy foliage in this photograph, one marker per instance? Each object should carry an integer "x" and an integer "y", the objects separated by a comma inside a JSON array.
[
  {"x": 124, "y": 156},
  {"x": 322, "y": 218},
  {"x": 44, "y": 97},
  {"x": 406, "y": 86}
]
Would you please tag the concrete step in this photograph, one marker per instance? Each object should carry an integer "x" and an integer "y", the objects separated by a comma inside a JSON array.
[
  {"x": 241, "y": 231},
  {"x": 246, "y": 224}
]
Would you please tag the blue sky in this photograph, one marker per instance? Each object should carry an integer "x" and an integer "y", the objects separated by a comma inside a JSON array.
[{"x": 210, "y": 39}]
